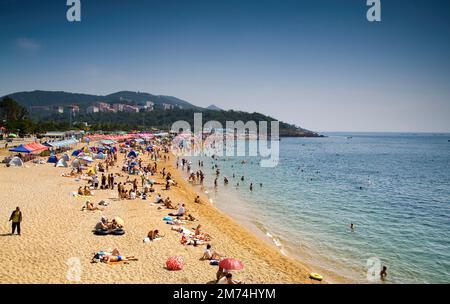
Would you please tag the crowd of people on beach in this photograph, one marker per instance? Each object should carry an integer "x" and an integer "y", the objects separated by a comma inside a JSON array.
[{"x": 142, "y": 176}]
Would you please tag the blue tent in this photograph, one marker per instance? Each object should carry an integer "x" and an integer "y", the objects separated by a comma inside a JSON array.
[
  {"x": 52, "y": 159},
  {"x": 20, "y": 149},
  {"x": 132, "y": 154}
]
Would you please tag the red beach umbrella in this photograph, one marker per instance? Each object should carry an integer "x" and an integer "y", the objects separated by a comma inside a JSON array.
[{"x": 231, "y": 264}]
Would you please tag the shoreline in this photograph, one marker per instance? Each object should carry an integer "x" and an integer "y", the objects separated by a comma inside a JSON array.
[
  {"x": 260, "y": 231},
  {"x": 236, "y": 230}
]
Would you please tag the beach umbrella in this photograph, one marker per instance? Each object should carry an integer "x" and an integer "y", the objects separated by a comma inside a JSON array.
[
  {"x": 151, "y": 181},
  {"x": 175, "y": 263},
  {"x": 119, "y": 221},
  {"x": 231, "y": 264}
]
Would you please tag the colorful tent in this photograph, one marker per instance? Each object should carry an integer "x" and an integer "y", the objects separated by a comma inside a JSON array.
[{"x": 90, "y": 171}]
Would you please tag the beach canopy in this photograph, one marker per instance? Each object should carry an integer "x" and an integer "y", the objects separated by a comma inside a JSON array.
[
  {"x": 62, "y": 143},
  {"x": 36, "y": 147},
  {"x": 66, "y": 157},
  {"x": 20, "y": 149},
  {"x": 12, "y": 135},
  {"x": 108, "y": 142},
  {"x": 29, "y": 148},
  {"x": 62, "y": 163},
  {"x": 52, "y": 159},
  {"x": 175, "y": 263},
  {"x": 16, "y": 162},
  {"x": 231, "y": 264}
]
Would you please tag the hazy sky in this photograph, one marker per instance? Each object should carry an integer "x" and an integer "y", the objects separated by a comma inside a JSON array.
[{"x": 318, "y": 63}]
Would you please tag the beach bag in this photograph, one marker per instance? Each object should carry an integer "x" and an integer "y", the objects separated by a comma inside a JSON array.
[{"x": 175, "y": 263}]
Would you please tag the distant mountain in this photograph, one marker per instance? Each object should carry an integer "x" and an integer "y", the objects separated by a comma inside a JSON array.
[
  {"x": 59, "y": 98},
  {"x": 214, "y": 108}
]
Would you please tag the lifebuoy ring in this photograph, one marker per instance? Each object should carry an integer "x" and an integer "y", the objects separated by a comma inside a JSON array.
[{"x": 315, "y": 276}]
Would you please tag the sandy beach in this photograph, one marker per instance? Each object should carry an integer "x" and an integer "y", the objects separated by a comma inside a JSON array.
[{"x": 57, "y": 235}]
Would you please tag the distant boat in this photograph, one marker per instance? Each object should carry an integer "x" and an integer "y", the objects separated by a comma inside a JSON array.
[{"x": 349, "y": 137}]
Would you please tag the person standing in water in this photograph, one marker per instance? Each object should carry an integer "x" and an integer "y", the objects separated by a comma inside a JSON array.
[
  {"x": 16, "y": 219},
  {"x": 251, "y": 186},
  {"x": 383, "y": 273}
]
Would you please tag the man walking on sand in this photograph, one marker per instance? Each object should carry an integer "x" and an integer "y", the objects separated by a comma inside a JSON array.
[{"x": 16, "y": 218}]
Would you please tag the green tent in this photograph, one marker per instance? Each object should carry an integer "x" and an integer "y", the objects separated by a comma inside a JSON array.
[{"x": 12, "y": 135}]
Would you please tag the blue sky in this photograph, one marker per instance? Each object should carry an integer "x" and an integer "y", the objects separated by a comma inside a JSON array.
[{"x": 317, "y": 63}]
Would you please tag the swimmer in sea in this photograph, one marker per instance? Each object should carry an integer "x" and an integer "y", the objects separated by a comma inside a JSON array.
[{"x": 251, "y": 186}]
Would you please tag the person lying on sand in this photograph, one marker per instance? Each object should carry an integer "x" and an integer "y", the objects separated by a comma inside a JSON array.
[
  {"x": 100, "y": 254},
  {"x": 210, "y": 254},
  {"x": 80, "y": 191},
  {"x": 187, "y": 240},
  {"x": 90, "y": 207},
  {"x": 117, "y": 258},
  {"x": 228, "y": 279},
  {"x": 201, "y": 235}
]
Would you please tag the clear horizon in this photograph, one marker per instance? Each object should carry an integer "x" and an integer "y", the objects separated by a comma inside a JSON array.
[{"x": 316, "y": 64}]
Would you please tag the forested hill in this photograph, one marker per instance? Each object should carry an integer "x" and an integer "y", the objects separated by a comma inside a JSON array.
[
  {"x": 59, "y": 98},
  {"x": 158, "y": 117}
]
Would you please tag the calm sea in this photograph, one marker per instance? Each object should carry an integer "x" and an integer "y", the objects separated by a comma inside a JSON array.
[{"x": 394, "y": 188}]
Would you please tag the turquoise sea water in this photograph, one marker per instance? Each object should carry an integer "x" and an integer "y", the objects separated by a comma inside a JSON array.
[{"x": 395, "y": 189}]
